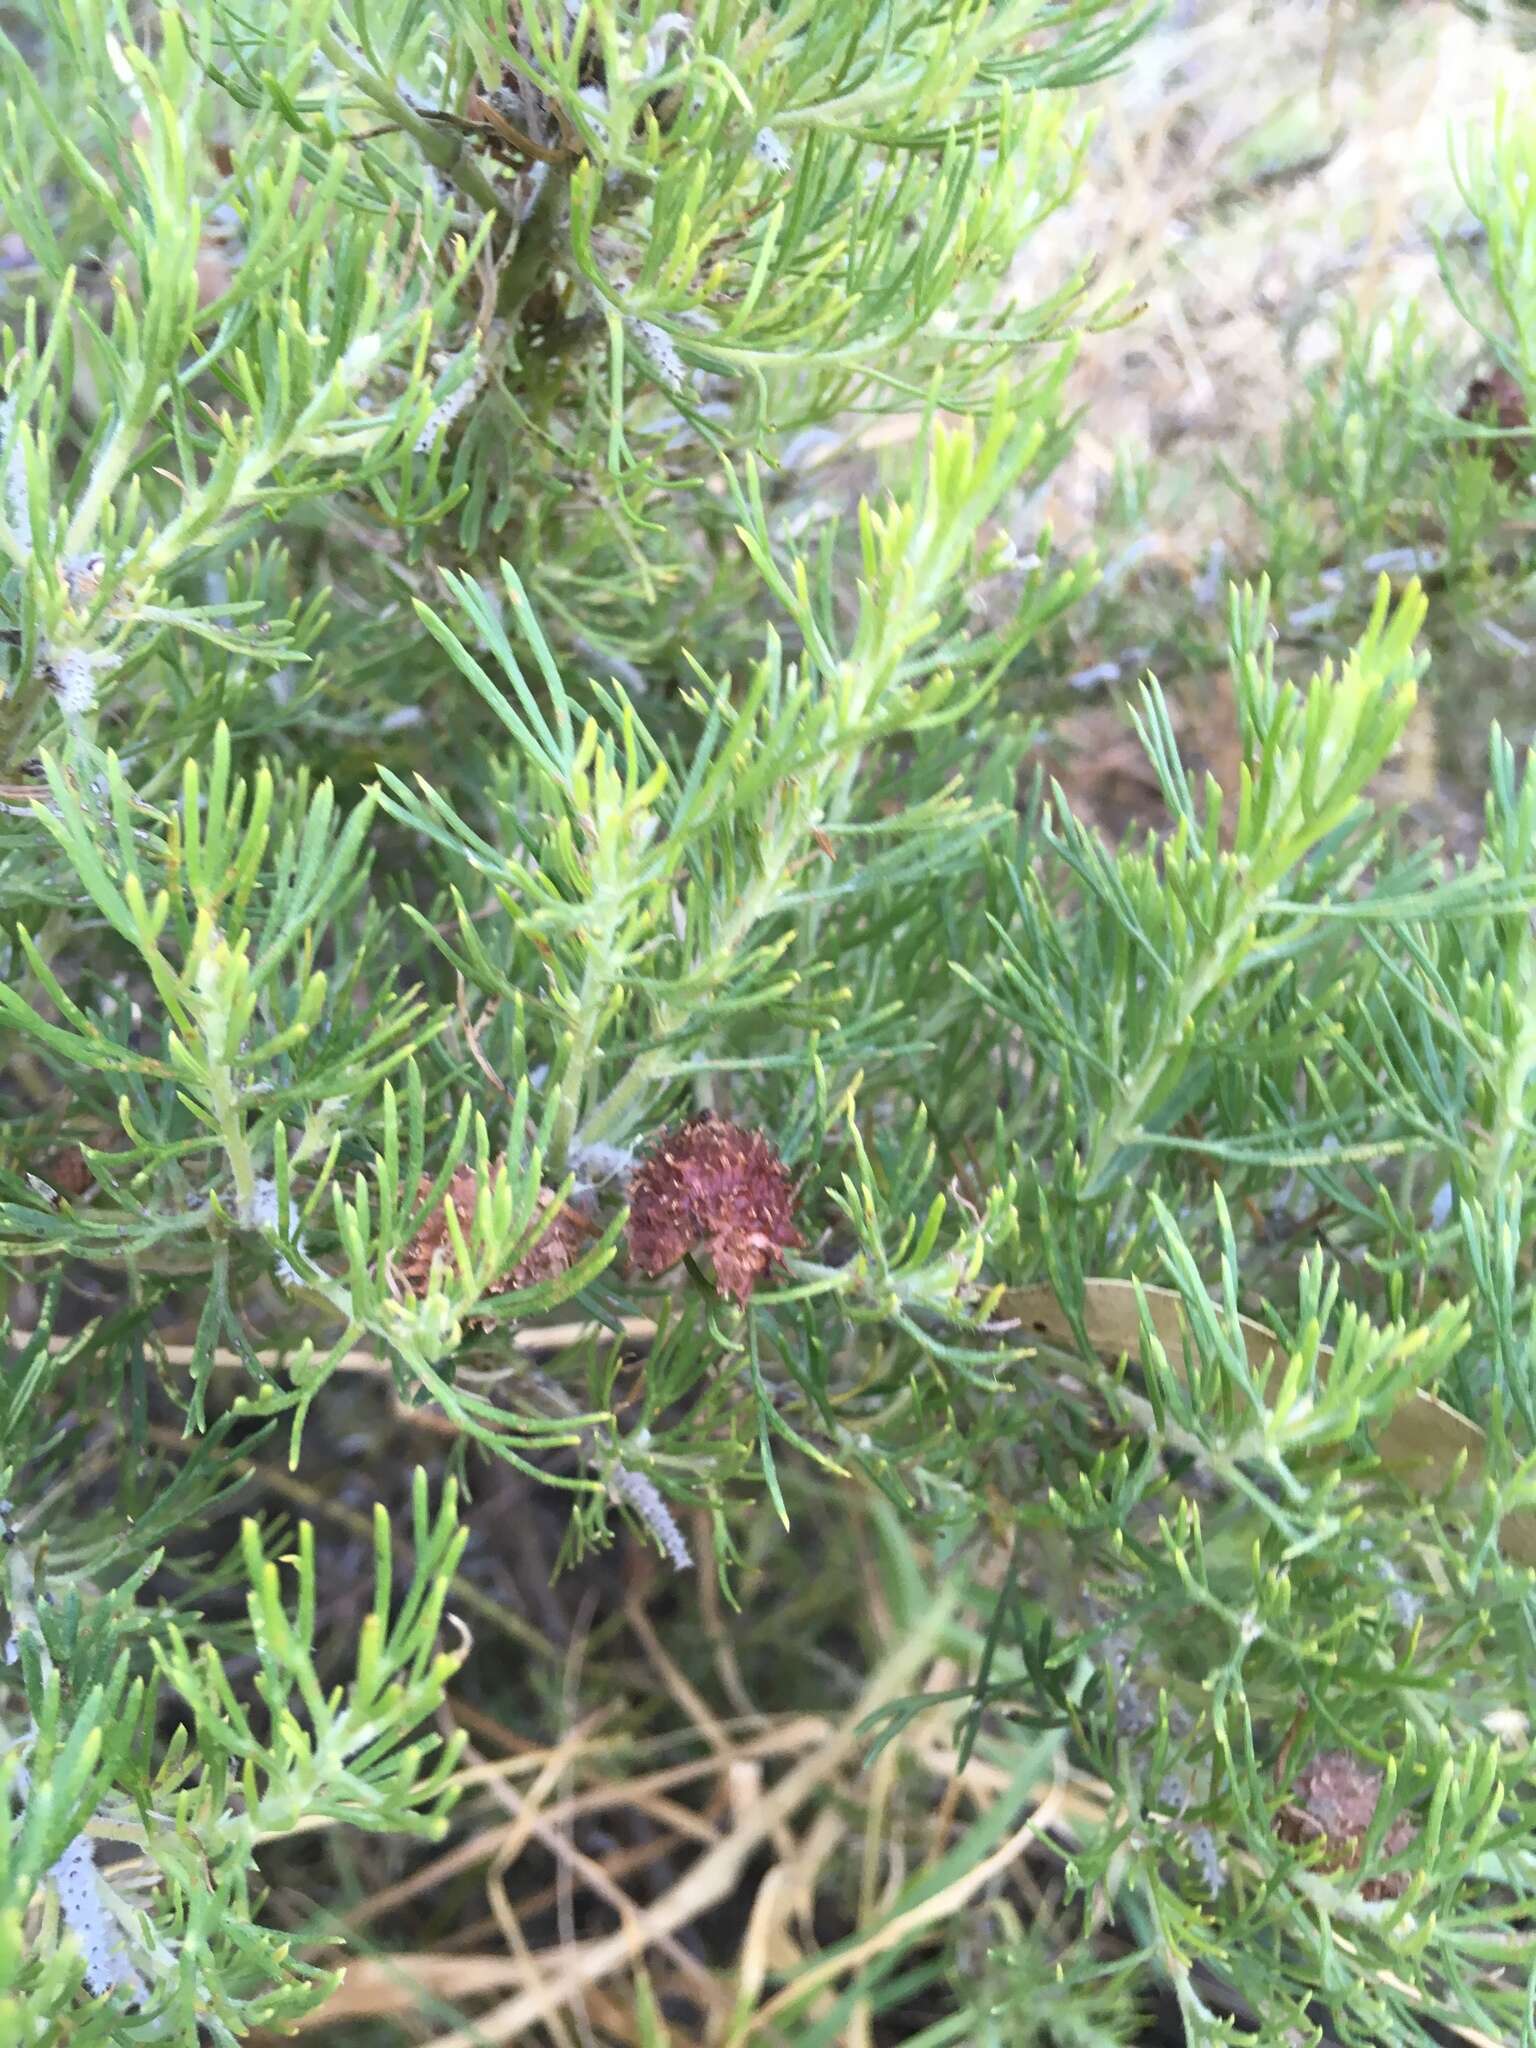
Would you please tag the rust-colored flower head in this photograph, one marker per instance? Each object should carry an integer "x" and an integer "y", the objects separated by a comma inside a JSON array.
[
  {"x": 1333, "y": 1801},
  {"x": 558, "y": 1248},
  {"x": 1498, "y": 401},
  {"x": 715, "y": 1185},
  {"x": 67, "y": 1173}
]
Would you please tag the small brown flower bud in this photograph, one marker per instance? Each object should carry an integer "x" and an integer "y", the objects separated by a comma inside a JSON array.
[
  {"x": 558, "y": 1248},
  {"x": 1498, "y": 401},
  {"x": 1333, "y": 1801},
  {"x": 715, "y": 1185}
]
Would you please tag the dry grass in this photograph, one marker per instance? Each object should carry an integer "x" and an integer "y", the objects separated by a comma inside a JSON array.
[
  {"x": 1256, "y": 171},
  {"x": 1254, "y": 167},
  {"x": 600, "y": 1871}
]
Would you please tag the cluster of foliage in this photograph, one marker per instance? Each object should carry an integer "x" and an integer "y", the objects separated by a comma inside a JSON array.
[{"x": 450, "y": 741}]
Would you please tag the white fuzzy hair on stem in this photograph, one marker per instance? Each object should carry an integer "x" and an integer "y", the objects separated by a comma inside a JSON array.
[{"x": 644, "y": 1497}]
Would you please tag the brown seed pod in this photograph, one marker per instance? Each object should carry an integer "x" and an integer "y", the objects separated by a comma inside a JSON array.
[
  {"x": 713, "y": 1185},
  {"x": 1333, "y": 1801},
  {"x": 557, "y": 1250}
]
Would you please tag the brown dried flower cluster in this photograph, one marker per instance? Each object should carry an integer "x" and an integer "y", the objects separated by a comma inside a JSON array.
[
  {"x": 1333, "y": 1801},
  {"x": 713, "y": 1185},
  {"x": 1498, "y": 401},
  {"x": 558, "y": 1248},
  {"x": 67, "y": 1173}
]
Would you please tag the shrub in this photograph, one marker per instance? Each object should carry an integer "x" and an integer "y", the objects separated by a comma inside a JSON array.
[{"x": 483, "y": 838}]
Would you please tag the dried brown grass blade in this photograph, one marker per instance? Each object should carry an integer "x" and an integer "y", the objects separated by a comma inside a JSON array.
[{"x": 717, "y": 1873}]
